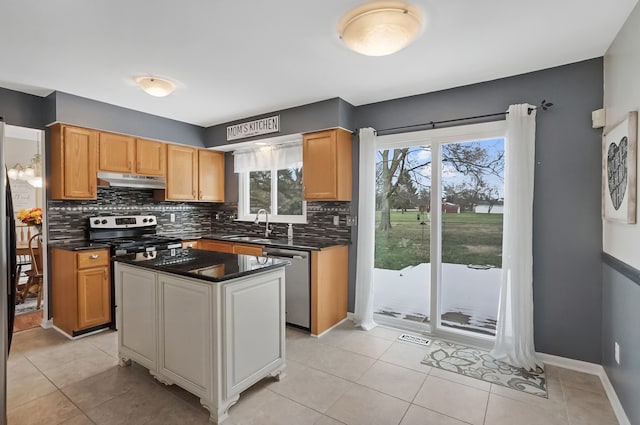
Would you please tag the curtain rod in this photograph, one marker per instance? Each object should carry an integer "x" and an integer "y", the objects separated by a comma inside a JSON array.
[{"x": 544, "y": 105}]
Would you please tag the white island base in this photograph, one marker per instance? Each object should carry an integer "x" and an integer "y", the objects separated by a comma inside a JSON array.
[{"x": 214, "y": 339}]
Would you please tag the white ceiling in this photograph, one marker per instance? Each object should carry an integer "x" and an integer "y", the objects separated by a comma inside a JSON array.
[{"x": 235, "y": 59}]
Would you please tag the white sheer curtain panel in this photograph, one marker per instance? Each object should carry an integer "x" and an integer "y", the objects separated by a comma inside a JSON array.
[
  {"x": 514, "y": 334},
  {"x": 267, "y": 158},
  {"x": 363, "y": 315}
]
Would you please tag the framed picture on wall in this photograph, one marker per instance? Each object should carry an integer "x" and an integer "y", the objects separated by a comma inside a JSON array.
[{"x": 619, "y": 157}]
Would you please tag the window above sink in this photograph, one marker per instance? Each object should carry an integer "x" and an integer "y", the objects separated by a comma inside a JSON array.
[{"x": 270, "y": 178}]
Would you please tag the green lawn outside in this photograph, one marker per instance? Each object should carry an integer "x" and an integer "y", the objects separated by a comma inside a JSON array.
[{"x": 468, "y": 238}]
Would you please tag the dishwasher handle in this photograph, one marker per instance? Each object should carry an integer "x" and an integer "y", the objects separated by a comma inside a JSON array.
[{"x": 285, "y": 254}]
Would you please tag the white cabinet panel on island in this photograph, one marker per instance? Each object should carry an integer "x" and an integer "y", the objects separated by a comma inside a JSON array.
[{"x": 214, "y": 339}]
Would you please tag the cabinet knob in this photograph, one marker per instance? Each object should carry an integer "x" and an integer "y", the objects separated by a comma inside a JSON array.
[{"x": 94, "y": 256}]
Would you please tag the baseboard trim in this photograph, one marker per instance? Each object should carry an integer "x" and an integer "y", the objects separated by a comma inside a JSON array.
[
  {"x": 585, "y": 367},
  {"x": 592, "y": 369},
  {"x": 47, "y": 324},
  {"x": 328, "y": 330}
]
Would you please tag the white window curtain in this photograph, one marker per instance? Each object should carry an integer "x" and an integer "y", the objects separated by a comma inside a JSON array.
[
  {"x": 514, "y": 334},
  {"x": 363, "y": 315},
  {"x": 268, "y": 158}
]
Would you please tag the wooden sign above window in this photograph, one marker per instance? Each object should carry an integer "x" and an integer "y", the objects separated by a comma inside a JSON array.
[{"x": 253, "y": 128}]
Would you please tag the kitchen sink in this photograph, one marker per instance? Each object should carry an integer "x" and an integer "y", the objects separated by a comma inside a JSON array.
[{"x": 245, "y": 238}]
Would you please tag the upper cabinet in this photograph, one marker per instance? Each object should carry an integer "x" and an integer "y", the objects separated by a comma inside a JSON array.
[
  {"x": 117, "y": 153},
  {"x": 210, "y": 176},
  {"x": 326, "y": 158},
  {"x": 182, "y": 173},
  {"x": 151, "y": 157},
  {"x": 77, "y": 154},
  {"x": 74, "y": 162},
  {"x": 193, "y": 175},
  {"x": 126, "y": 154}
]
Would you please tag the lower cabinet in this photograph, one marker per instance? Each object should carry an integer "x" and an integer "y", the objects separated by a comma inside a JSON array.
[
  {"x": 202, "y": 335},
  {"x": 81, "y": 290}
]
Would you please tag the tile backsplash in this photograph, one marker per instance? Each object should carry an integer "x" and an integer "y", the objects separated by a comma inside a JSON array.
[{"x": 69, "y": 220}]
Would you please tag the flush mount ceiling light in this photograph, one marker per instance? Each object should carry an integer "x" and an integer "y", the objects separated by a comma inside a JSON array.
[
  {"x": 156, "y": 86},
  {"x": 380, "y": 28}
]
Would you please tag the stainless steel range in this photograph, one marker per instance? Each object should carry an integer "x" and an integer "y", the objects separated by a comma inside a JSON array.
[
  {"x": 127, "y": 235},
  {"x": 130, "y": 234}
]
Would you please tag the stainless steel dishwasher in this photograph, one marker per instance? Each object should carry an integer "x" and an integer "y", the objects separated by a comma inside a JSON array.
[{"x": 297, "y": 285}]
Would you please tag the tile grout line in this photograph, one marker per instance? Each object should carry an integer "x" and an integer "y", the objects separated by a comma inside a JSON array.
[{"x": 58, "y": 389}]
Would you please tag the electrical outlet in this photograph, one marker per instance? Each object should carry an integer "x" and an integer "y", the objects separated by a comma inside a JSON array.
[
  {"x": 616, "y": 352},
  {"x": 336, "y": 220},
  {"x": 172, "y": 217},
  {"x": 351, "y": 220}
]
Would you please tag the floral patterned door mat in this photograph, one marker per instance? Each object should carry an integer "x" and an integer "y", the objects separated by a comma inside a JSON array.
[{"x": 478, "y": 364}]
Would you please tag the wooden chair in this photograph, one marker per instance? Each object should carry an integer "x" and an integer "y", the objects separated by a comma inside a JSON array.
[{"x": 35, "y": 276}]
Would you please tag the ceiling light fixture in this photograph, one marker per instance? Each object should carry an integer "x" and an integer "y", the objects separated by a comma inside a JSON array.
[
  {"x": 156, "y": 86},
  {"x": 380, "y": 28}
]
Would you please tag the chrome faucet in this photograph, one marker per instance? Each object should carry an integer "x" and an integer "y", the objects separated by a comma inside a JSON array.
[{"x": 267, "y": 231}]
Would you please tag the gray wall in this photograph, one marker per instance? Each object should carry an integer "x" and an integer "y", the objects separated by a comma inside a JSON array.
[
  {"x": 315, "y": 116},
  {"x": 22, "y": 109},
  {"x": 567, "y": 224},
  {"x": 620, "y": 303},
  {"x": 84, "y": 112}
]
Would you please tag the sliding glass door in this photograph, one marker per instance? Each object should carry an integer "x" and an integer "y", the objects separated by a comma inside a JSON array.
[
  {"x": 403, "y": 235},
  {"x": 439, "y": 198}
]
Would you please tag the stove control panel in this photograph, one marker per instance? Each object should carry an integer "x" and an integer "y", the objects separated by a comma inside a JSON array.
[{"x": 122, "y": 222}]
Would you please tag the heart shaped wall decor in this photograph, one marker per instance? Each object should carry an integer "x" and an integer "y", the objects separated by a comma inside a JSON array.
[{"x": 617, "y": 171}]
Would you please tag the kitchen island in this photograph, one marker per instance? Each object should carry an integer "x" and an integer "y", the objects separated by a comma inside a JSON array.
[{"x": 212, "y": 323}]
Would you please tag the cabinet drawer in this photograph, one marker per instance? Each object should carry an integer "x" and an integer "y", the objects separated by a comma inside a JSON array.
[
  {"x": 87, "y": 259},
  {"x": 248, "y": 249}
]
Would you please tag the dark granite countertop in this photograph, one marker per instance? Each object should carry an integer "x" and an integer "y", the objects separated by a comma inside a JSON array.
[
  {"x": 305, "y": 244},
  {"x": 199, "y": 264},
  {"x": 77, "y": 245}
]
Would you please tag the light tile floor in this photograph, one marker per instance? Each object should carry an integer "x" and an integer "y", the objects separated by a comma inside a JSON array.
[{"x": 345, "y": 377}]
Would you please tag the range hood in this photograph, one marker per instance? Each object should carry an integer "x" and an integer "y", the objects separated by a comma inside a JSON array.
[{"x": 130, "y": 180}]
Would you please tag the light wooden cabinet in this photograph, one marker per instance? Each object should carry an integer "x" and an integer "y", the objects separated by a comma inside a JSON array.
[
  {"x": 81, "y": 289},
  {"x": 191, "y": 244},
  {"x": 329, "y": 287},
  {"x": 182, "y": 173},
  {"x": 327, "y": 170},
  {"x": 126, "y": 154},
  {"x": 151, "y": 157},
  {"x": 239, "y": 248},
  {"x": 117, "y": 153},
  {"x": 74, "y": 162},
  {"x": 210, "y": 176},
  {"x": 201, "y": 335},
  {"x": 210, "y": 245},
  {"x": 193, "y": 175},
  {"x": 230, "y": 247}
]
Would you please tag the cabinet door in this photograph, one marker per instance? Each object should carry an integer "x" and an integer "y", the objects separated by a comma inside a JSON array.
[
  {"x": 94, "y": 297},
  {"x": 116, "y": 153},
  {"x": 253, "y": 317},
  {"x": 182, "y": 173},
  {"x": 320, "y": 165},
  {"x": 151, "y": 157},
  {"x": 210, "y": 245},
  {"x": 211, "y": 176},
  {"x": 137, "y": 319},
  {"x": 79, "y": 162},
  {"x": 185, "y": 336}
]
